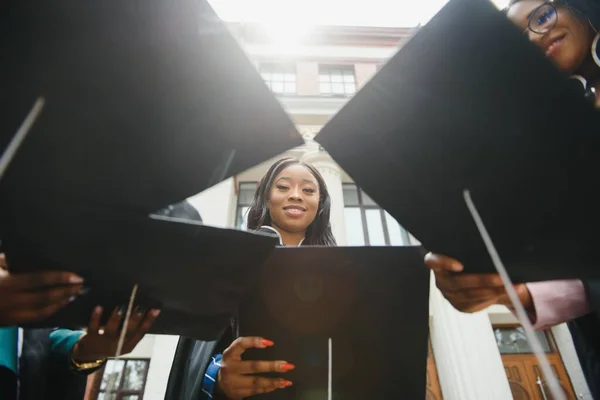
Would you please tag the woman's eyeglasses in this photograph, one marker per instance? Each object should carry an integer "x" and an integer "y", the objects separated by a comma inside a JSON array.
[{"x": 543, "y": 18}]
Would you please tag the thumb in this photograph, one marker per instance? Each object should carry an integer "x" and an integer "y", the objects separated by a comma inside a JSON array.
[{"x": 441, "y": 263}]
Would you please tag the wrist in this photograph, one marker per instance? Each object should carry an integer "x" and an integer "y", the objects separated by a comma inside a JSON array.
[
  {"x": 79, "y": 360},
  {"x": 526, "y": 300}
]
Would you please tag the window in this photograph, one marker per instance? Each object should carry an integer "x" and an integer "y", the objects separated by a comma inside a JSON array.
[
  {"x": 127, "y": 377},
  {"x": 337, "y": 81},
  {"x": 281, "y": 79},
  {"x": 512, "y": 340},
  {"x": 245, "y": 196},
  {"x": 367, "y": 223}
]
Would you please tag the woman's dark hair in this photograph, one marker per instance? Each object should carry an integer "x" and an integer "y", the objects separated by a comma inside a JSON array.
[
  {"x": 587, "y": 9},
  {"x": 318, "y": 232}
]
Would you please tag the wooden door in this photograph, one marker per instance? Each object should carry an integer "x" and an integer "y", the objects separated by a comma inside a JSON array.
[
  {"x": 525, "y": 376},
  {"x": 526, "y": 379},
  {"x": 433, "y": 391},
  {"x": 520, "y": 385}
]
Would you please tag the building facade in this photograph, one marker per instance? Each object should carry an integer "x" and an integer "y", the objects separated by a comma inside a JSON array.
[{"x": 477, "y": 356}]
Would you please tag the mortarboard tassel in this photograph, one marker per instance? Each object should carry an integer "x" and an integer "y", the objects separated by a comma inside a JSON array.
[
  {"x": 22, "y": 132},
  {"x": 110, "y": 387}
]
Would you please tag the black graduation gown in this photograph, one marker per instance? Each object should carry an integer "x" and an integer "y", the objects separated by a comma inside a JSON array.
[
  {"x": 45, "y": 376},
  {"x": 192, "y": 357},
  {"x": 586, "y": 338}
]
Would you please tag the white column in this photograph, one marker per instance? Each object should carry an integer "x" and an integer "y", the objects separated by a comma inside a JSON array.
[
  {"x": 163, "y": 353},
  {"x": 466, "y": 354},
  {"x": 566, "y": 348}
]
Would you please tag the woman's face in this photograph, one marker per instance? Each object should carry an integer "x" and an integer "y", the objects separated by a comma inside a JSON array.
[
  {"x": 294, "y": 199},
  {"x": 568, "y": 44}
]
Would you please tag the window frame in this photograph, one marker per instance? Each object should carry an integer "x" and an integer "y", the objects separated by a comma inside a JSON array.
[
  {"x": 547, "y": 333},
  {"x": 279, "y": 68},
  {"x": 327, "y": 69},
  {"x": 238, "y": 205},
  {"x": 363, "y": 214},
  {"x": 120, "y": 392}
]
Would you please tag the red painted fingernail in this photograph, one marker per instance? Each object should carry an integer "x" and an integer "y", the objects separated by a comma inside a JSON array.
[
  {"x": 285, "y": 384},
  {"x": 267, "y": 343},
  {"x": 287, "y": 367},
  {"x": 155, "y": 313}
]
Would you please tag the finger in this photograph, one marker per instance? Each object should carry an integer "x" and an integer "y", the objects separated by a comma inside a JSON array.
[
  {"x": 34, "y": 315},
  {"x": 41, "y": 299},
  {"x": 475, "y": 300},
  {"x": 134, "y": 320},
  {"x": 485, "y": 294},
  {"x": 240, "y": 345},
  {"x": 438, "y": 262},
  {"x": 253, "y": 385},
  {"x": 36, "y": 280},
  {"x": 114, "y": 322},
  {"x": 95, "y": 321},
  {"x": 143, "y": 327},
  {"x": 468, "y": 281},
  {"x": 471, "y": 306},
  {"x": 257, "y": 367}
]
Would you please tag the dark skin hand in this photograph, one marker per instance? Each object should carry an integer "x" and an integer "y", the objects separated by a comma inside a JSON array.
[
  {"x": 98, "y": 343},
  {"x": 35, "y": 296},
  {"x": 473, "y": 292},
  {"x": 237, "y": 379}
]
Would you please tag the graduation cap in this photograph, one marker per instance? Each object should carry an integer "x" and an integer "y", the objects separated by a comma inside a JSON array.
[
  {"x": 469, "y": 104},
  {"x": 186, "y": 269},
  {"x": 353, "y": 320},
  {"x": 146, "y": 102}
]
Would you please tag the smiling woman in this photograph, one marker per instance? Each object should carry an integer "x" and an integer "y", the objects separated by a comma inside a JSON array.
[
  {"x": 558, "y": 29},
  {"x": 293, "y": 202},
  {"x": 292, "y": 199},
  {"x": 567, "y": 32}
]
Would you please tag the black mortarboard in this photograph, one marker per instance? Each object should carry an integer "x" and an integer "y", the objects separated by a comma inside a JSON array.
[
  {"x": 196, "y": 274},
  {"x": 469, "y": 104},
  {"x": 146, "y": 102},
  {"x": 355, "y": 316}
]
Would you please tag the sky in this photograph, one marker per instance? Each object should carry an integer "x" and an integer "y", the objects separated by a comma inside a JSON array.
[{"x": 294, "y": 14}]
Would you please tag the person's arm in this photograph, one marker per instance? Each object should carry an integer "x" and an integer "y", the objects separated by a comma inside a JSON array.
[
  {"x": 62, "y": 343},
  {"x": 547, "y": 303},
  {"x": 86, "y": 352},
  {"x": 556, "y": 302}
]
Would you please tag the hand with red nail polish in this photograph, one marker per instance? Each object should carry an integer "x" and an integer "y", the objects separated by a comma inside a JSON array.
[
  {"x": 34, "y": 296},
  {"x": 237, "y": 378}
]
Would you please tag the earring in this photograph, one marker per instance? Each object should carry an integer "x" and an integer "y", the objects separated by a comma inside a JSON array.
[
  {"x": 588, "y": 90},
  {"x": 595, "y": 49},
  {"x": 580, "y": 79}
]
